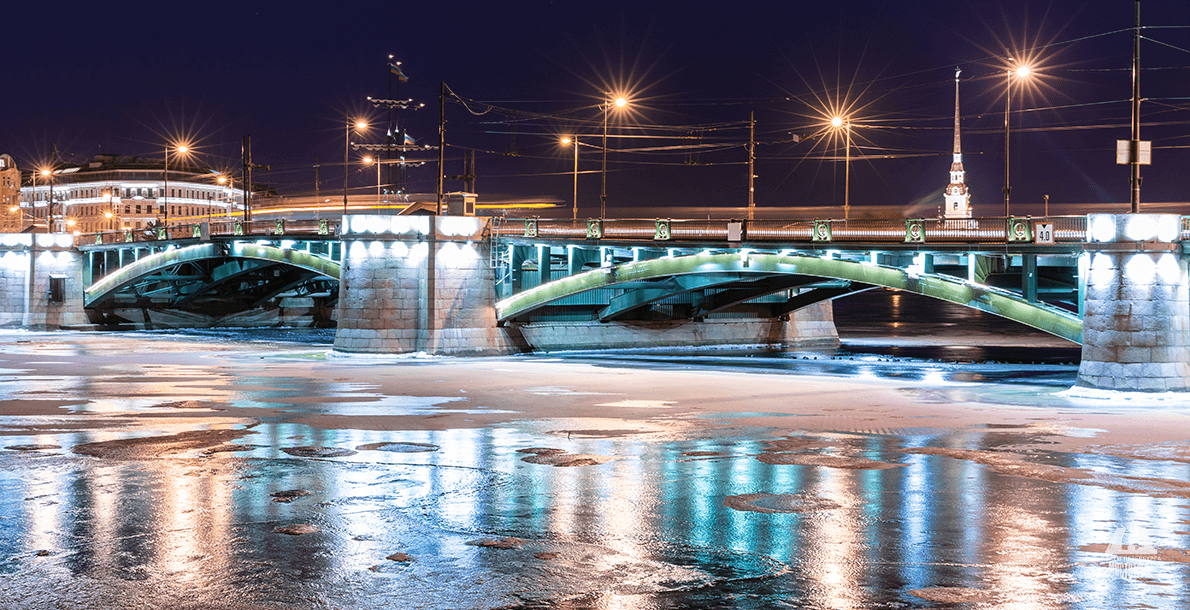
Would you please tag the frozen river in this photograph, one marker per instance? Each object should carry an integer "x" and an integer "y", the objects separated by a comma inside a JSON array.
[{"x": 204, "y": 471}]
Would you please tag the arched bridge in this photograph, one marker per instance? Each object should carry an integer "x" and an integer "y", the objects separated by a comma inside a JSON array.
[
  {"x": 739, "y": 277},
  {"x": 1027, "y": 270},
  {"x": 217, "y": 278}
]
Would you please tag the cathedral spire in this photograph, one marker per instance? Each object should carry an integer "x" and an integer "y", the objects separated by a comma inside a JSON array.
[
  {"x": 958, "y": 200},
  {"x": 958, "y": 150}
]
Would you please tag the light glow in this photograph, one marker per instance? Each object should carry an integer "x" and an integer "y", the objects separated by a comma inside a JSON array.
[
  {"x": 621, "y": 102},
  {"x": 1140, "y": 270},
  {"x": 837, "y": 122},
  {"x": 1103, "y": 227}
]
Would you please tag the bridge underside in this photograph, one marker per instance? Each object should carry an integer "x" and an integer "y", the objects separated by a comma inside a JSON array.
[
  {"x": 216, "y": 283},
  {"x": 758, "y": 285}
]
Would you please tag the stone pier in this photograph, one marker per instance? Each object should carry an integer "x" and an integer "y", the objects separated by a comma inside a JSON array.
[
  {"x": 1136, "y": 309},
  {"x": 418, "y": 284},
  {"x": 40, "y": 282}
]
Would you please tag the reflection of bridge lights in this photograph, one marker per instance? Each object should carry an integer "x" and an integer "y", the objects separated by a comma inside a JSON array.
[{"x": 934, "y": 377}]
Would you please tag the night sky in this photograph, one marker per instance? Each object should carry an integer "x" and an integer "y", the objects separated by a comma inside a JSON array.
[{"x": 104, "y": 80}]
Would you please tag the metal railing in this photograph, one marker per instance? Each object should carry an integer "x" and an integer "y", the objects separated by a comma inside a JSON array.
[
  {"x": 216, "y": 228},
  {"x": 1065, "y": 230}
]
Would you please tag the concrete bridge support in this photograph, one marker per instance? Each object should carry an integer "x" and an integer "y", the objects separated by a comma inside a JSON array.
[
  {"x": 40, "y": 282},
  {"x": 419, "y": 284},
  {"x": 1136, "y": 324}
]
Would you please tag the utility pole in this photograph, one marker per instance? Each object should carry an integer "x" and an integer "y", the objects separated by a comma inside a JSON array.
[
  {"x": 468, "y": 175},
  {"x": 751, "y": 163},
  {"x": 441, "y": 142},
  {"x": 317, "y": 197},
  {"x": 1135, "y": 144},
  {"x": 246, "y": 153}
]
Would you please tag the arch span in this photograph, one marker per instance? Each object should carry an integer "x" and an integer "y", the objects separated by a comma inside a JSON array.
[
  {"x": 156, "y": 264},
  {"x": 752, "y": 266}
]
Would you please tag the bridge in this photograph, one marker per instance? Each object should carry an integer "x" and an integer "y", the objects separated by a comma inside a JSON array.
[{"x": 466, "y": 285}]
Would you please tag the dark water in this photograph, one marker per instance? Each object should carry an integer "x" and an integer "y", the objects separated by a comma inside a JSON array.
[{"x": 891, "y": 335}]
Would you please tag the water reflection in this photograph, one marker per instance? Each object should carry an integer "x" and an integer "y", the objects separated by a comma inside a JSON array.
[{"x": 647, "y": 529}]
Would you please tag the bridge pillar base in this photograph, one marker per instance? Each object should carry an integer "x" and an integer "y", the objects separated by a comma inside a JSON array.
[
  {"x": 40, "y": 282},
  {"x": 1136, "y": 322},
  {"x": 419, "y": 284},
  {"x": 811, "y": 326}
]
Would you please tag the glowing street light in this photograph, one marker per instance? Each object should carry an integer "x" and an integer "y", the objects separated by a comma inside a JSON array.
[
  {"x": 368, "y": 160},
  {"x": 620, "y": 102},
  {"x": 567, "y": 141},
  {"x": 181, "y": 150},
  {"x": 359, "y": 126},
  {"x": 1021, "y": 72},
  {"x": 49, "y": 210},
  {"x": 845, "y": 124}
]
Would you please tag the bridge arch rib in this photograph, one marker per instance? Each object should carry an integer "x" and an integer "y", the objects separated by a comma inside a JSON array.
[
  {"x": 662, "y": 275},
  {"x": 302, "y": 263}
]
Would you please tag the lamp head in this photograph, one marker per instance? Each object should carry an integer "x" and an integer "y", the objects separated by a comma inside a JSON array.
[
  {"x": 183, "y": 149},
  {"x": 361, "y": 125},
  {"x": 566, "y": 140},
  {"x": 621, "y": 102},
  {"x": 1023, "y": 71},
  {"x": 837, "y": 122}
]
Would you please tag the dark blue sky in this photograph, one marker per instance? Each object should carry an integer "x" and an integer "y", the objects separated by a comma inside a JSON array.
[{"x": 100, "y": 79}]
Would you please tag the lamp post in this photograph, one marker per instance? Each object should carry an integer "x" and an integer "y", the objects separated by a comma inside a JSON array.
[
  {"x": 110, "y": 213},
  {"x": 368, "y": 160},
  {"x": 845, "y": 123},
  {"x": 231, "y": 194},
  {"x": 49, "y": 210},
  {"x": 1021, "y": 72},
  {"x": 165, "y": 191},
  {"x": 620, "y": 102},
  {"x": 566, "y": 141},
  {"x": 358, "y": 125}
]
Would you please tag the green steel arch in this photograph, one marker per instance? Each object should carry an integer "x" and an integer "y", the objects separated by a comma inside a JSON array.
[
  {"x": 996, "y": 301},
  {"x": 113, "y": 282}
]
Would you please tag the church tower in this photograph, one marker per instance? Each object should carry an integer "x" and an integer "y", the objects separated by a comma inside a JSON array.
[{"x": 958, "y": 200}]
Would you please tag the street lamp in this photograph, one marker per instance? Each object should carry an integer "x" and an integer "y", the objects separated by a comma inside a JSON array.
[
  {"x": 359, "y": 126},
  {"x": 49, "y": 210},
  {"x": 620, "y": 102},
  {"x": 182, "y": 149},
  {"x": 845, "y": 124},
  {"x": 565, "y": 142},
  {"x": 1021, "y": 72},
  {"x": 368, "y": 160}
]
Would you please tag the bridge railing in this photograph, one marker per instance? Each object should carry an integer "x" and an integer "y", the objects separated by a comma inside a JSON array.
[
  {"x": 216, "y": 228},
  {"x": 1065, "y": 229}
]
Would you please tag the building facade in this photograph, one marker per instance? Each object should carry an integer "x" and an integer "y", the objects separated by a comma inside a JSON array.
[
  {"x": 114, "y": 193},
  {"x": 10, "y": 195},
  {"x": 956, "y": 196}
]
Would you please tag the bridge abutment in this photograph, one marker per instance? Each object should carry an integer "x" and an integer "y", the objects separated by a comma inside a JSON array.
[
  {"x": 1136, "y": 322},
  {"x": 419, "y": 284},
  {"x": 40, "y": 282}
]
